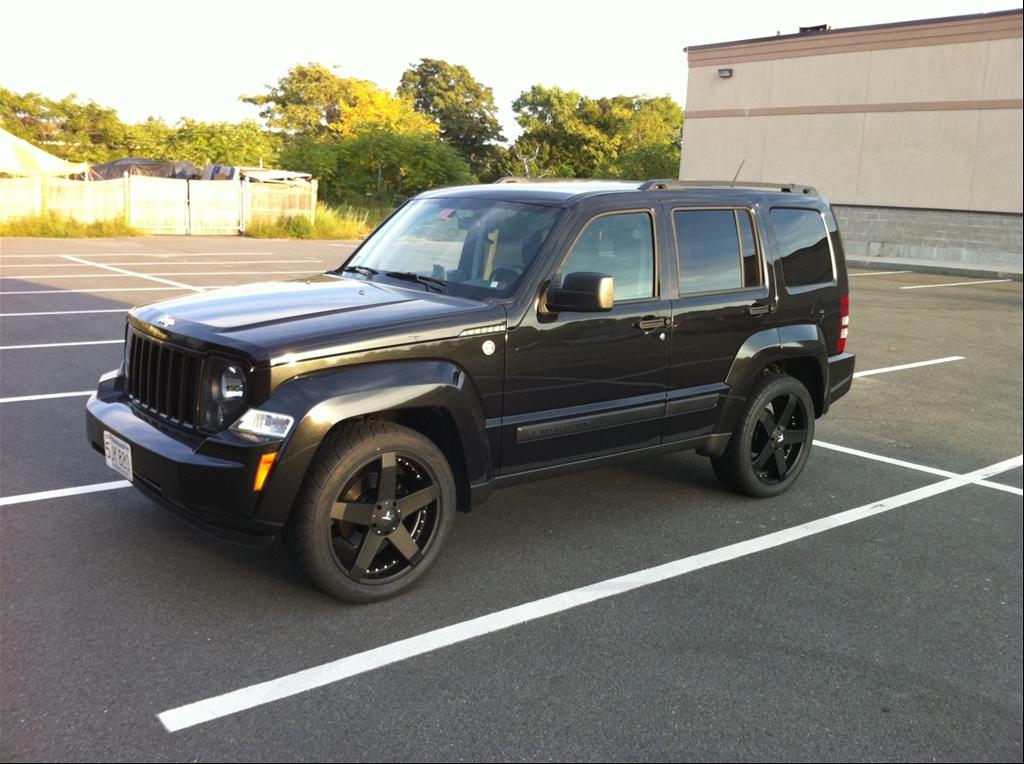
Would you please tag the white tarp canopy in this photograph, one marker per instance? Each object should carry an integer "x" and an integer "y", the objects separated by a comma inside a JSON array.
[{"x": 19, "y": 157}]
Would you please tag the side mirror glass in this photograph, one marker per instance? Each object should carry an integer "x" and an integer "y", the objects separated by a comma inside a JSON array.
[{"x": 583, "y": 292}]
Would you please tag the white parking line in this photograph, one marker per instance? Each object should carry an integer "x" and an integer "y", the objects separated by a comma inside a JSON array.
[
  {"x": 902, "y": 366},
  {"x": 111, "y": 289},
  {"x": 64, "y": 312},
  {"x": 168, "y": 262},
  {"x": 136, "y": 275},
  {"x": 913, "y": 466},
  {"x": 877, "y": 273},
  {"x": 47, "y": 396},
  {"x": 328, "y": 673},
  {"x": 143, "y": 254},
  {"x": 115, "y": 269},
  {"x": 60, "y": 493},
  {"x": 958, "y": 283},
  {"x": 60, "y": 344}
]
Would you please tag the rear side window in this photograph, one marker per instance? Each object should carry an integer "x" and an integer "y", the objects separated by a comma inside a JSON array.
[
  {"x": 803, "y": 247},
  {"x": 717, "y": 250}
]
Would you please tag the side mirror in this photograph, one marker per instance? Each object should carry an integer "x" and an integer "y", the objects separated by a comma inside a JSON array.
[{"x": 583, "y": 292}]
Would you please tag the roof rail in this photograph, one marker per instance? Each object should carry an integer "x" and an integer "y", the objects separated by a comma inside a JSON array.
[
  {"x": 668, "y": 184},
  {"x": 518, "y": 179}
]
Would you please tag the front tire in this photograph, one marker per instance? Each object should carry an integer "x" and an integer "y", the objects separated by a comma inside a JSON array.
[
  {"x": 373, "y": 513},
  {"x": 772, "y": 439}
]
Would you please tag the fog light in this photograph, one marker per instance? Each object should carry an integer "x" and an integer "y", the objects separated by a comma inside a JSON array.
[{"x": 264, "y": 423}]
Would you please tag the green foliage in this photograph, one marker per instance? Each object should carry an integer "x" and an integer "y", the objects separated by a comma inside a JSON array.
[
  {"x": 244, "y": 143},
  {"x": 462, "y": 107},
  {"x": 75, "y": 131},
  {"x": 312, "y": 101},
  {"x": 566, "y": 134},
  {"x": 331, "y": 223},
  {"x": 53, "y": 226},
  {"x": 379, "y": 165}
]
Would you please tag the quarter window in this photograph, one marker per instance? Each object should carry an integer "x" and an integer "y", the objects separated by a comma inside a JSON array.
[
  {"x": 717, "y": 250},
  {"x": 621, "y": 246},
  {"x": 804, "y": 247}
]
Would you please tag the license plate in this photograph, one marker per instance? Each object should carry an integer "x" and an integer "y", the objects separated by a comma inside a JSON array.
[{"x": 118, "y": 454}]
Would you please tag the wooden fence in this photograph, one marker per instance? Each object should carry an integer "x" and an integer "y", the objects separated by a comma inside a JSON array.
[{"x": 159, "y": 205}]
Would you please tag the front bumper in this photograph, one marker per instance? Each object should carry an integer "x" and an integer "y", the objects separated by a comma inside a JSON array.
[{"x": 208, "y": 482}]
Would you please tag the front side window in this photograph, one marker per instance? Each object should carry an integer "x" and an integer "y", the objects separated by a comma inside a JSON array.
[
  {"x": 477, "y": 247},
  {"x": 803, "y": 247},
  {"x": 717, "y": 250},
  {"x": 621, "y": 246}
]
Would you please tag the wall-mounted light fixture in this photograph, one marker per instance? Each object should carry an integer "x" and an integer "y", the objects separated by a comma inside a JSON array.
[{"x": 725, "y": 73}]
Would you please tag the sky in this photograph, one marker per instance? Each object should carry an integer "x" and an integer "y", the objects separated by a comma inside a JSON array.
[{"x": 188, "y": 58}]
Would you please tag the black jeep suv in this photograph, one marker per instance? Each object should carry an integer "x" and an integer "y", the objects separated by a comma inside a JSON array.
[{"x": 481, "y": 337}]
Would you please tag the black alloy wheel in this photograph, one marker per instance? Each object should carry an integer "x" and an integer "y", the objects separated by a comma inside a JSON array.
[
  {"x": 384, "y": 518},
  {"x": 373, "y": 513},
  {"x": 772, "y": 439},
  {"x": 778, "y": 438}
]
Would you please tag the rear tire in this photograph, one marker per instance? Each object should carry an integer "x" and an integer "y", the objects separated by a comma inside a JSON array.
[
  {"x": 373, "y": 513},
  {"x": 772, "y": 439}
]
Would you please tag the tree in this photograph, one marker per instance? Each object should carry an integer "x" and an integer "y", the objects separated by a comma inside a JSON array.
[
  {"x": 313, "y": 101},
  {"x": 571, "y": 135},
  {"x": 70, "y": 129},
  {"x": 462, "y": 107},
  {"x": 244, "y": 143}
]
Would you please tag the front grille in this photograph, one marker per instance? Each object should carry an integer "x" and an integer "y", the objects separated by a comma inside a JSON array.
[{"x": 164, "y": 380}]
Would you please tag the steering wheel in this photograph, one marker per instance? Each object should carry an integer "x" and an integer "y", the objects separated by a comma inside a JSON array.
[{"x": 511, "y": 273}]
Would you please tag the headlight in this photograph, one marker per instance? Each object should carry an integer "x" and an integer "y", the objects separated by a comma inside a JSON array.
[
  {"x": 225, "y": 393},
  {"x": 264, "y": 423}
]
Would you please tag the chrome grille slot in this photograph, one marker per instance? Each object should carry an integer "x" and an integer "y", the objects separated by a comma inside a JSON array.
[{"x": 164, "y": 379}]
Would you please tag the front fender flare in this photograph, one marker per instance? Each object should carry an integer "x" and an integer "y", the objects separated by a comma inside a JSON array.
[{"x": 320, "y": 401}]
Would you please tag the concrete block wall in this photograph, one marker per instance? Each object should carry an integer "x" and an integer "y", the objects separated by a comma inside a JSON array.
[{"x": 984, "y": 239}]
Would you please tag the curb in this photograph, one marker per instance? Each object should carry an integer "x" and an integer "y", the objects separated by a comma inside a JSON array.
[{"x": 886, "y": 264}]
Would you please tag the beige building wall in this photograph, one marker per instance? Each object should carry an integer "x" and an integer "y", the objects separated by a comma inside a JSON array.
[{"x": 916, "y": 115}]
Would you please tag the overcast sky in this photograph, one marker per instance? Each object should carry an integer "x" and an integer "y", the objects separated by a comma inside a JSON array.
[{"x": 187, "y": 58}]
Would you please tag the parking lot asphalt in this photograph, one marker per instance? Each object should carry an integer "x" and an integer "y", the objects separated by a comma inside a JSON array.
[{"x": 793, "y": 629}]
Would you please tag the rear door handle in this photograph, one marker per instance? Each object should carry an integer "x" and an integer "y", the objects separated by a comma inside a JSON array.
[
  {"x": 760, "y": 310},
  {"x": 647, "y": 323}
]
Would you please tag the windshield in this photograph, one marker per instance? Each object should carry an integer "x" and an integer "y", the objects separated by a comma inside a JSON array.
[{"x": 477, "y": 247}]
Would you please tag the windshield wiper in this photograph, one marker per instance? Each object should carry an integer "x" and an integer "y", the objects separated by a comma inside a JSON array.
[
  {"x": 427, "y": 281},
  {"x": 363, "y": 269}
]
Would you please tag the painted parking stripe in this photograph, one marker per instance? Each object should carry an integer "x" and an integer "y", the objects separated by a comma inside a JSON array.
[
  {"x": 913, "y": 466},
  {"x": 60, "y": 493},
  {"x": 162, "y": 263},
  {"x": 173, "y": 273},
  {"x": 46, "y": 396},
  {"x": 115, "y": 269},
  {"x": 61, "y": 344},
  {"x": 143, "y": 254},
  {"x": 99, "y": 290},
  {"x": 286, "y": 686},
  {"x": 902, "y": 366},
  {"x": 957, "y": 283},
  {"x": 877, "y": 273},
  {"x": 64, "y": 312}
]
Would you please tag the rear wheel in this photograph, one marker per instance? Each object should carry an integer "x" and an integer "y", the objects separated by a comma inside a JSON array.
[
  {"x": 772, "y": 440},
  {"x": 374, "y": 512}
]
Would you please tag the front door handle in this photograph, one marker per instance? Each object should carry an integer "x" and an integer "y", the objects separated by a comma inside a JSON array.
[
  {"x": 648, "y": 323},
  {"x": 760, "y": 310}
]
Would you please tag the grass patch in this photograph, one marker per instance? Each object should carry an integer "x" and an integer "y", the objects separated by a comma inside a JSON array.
[
  {"x": 54, "y": 226},
  {"x": 331, "y": 223}
]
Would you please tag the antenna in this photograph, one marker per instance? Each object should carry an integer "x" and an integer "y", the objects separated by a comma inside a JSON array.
[{"x": 738, "y": 170}]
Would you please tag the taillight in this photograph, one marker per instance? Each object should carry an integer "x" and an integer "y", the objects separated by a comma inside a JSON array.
[{"x": 844, "y": 323}]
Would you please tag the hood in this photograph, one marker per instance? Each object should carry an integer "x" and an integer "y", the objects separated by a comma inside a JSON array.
[{"x": 273, "y": 319}]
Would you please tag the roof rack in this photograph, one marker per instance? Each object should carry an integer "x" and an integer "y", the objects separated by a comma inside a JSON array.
[
  {"x": 518, "y": 179},
  {"x": 668, "y": 184}
]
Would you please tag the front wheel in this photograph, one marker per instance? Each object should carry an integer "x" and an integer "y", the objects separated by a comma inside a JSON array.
[
  {"x": 772, "y": 440},
  {"x": 374, "y": 512}
]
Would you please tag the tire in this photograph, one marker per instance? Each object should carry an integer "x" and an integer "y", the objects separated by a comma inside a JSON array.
[
  {"x": 373, "y": 513},
  {"x": 766, "y": 455}
]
